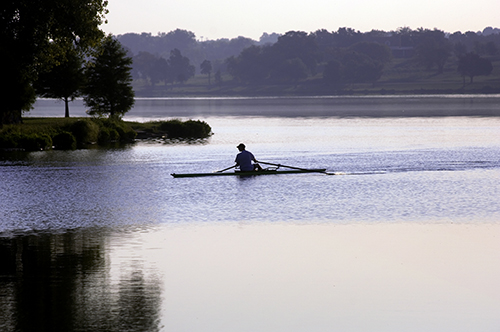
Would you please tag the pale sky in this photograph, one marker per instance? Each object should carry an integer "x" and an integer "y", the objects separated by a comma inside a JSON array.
[{"x": 214, "y": 19}]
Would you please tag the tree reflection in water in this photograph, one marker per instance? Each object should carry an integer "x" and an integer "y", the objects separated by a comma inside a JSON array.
[{"x": 61, "y": 282}]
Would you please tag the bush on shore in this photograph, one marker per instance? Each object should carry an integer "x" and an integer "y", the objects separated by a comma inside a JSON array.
[
  {"x": 11, "y": 139},
  {"x": 86, "y": 131},
  {"x": 174, "y": 129},
  {"x": 64, "y": 141}
]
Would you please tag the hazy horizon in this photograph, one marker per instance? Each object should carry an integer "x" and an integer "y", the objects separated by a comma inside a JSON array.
[
  {"x": 216, "y": 19},
  {"x": 282, "y": 33}
]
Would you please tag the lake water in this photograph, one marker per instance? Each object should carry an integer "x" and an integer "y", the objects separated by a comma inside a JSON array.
[{"x": 404, "y": 237}]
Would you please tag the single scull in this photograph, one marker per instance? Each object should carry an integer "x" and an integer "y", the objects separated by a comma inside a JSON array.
[{"x": 251, "y": 173}]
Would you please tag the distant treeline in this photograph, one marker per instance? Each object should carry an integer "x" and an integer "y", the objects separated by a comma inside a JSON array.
[{"x": 336, "y": 58}]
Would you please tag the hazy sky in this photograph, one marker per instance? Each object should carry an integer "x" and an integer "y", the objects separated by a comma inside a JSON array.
[{"x": 213, "y": 19}]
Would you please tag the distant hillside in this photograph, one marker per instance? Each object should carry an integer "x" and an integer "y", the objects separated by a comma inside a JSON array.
[{"x": 320, "y": 62}]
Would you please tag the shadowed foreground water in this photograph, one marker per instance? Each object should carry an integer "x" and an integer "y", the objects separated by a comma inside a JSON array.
[{"x": 254, "y": 277}]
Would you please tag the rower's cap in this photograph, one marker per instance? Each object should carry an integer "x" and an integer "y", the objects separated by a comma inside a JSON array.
[{"x": 241, "y": 145}]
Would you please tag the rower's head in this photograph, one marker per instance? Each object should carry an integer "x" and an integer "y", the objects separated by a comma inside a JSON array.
[{"x": 241, "y": 147}]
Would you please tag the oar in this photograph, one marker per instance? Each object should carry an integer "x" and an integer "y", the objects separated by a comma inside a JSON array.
[
  {"x": 225, "y": 169},
  {"x": 279, "y": 165}
]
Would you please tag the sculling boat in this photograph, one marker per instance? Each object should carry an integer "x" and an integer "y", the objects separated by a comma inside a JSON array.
[{"x": 251, "y": 173}]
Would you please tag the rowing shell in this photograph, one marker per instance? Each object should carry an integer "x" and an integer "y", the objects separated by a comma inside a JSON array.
[{"x": 251, "y": 173}]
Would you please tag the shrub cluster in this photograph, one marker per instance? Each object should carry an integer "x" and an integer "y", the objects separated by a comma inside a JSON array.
[
  {"x": 187, "y": 129},
  {"x": 114, "y": 130},
  {"x": 11, "y": 139},
  {"x": 174, "y": 129},
  {"x": 64, "y": 141},
  {"x": 64, "y": 134}
]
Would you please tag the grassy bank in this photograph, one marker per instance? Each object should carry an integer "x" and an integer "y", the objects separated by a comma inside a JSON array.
[{"x": 36, "y": 134}]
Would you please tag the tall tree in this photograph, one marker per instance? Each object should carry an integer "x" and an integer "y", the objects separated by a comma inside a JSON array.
[
  {"x": 108, "y": 90},
  {"x": 180, "y": 39},
  {"x": 345, "y": 37},
  {"x": 250, "y": 66},
  {"x": 180, "y": 67},
  {"x": 472, "y": 65},
  {"x": 291, "y": 70},
  {"x": 433, "y": 49},
  {"x": 150, "y": 68},
  {"x": 35, "y": 32},
  {"x": 324, "y": 39},
  {"x": 143, "y": 66},
  {"x": 297, "y": 44},
  {"x": 206, "y": 69},
  {"x": 218, "y": 78},
  {"x": 160, "y": 70},
  {"x": 63, "y": 81}
]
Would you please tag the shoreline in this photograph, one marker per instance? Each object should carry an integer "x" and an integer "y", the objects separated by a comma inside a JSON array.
[
  {"x": 200, "y": 107},
  {"x": 311, "y": 96},
  {"x": 284, "y": 94}
]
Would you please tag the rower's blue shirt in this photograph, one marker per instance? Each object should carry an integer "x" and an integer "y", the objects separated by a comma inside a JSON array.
[{"x": 244, "y": 160}]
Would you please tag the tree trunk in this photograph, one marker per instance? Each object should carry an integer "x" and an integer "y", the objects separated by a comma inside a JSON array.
[{"x": 66, "y": 108}]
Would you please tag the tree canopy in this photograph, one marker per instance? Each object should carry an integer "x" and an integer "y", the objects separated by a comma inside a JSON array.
[
  {"x": 63, "y": 81},
  {"x": 376, "y": 51},
  {"x": 206, "y": 69},
  {"x": 36, "y": 33},
  {"x": 153, "y": 69},
  {"x": 432, "y": 49},
  {"x": 108, "y": 90},
  {"x": 471, "y": 64},
  {"x": 298, "y": 56},
  {"x": 180, "y": 68}
]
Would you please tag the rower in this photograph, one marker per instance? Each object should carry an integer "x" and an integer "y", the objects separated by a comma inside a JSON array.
[{"x": 244, "y": 160}]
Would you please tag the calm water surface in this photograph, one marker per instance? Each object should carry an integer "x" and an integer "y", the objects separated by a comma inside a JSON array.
[{"x": 404, "y": 237}]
